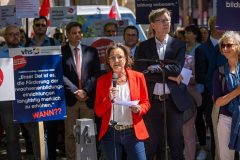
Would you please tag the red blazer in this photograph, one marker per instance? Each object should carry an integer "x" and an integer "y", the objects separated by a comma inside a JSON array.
[{"x": 138, "y": 89}]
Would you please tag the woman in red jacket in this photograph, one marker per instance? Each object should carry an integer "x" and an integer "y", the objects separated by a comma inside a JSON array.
[{"x": 122, "y": 125}]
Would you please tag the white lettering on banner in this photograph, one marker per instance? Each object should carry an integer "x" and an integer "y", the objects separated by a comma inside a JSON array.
[{"x": 232, "y": 4}]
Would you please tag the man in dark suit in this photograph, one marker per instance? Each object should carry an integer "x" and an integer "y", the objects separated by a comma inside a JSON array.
[
  {"x": 81, "y": 69},
  {"x": 162, "y": 47},
  {"x": 131, "y": 36}
]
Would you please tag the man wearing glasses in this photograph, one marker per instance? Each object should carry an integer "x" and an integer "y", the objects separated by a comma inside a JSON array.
[
  {"x": 41, "y": 39},
  {"x": 12, "y": 37},
  {"x": 177, "y": 99}
]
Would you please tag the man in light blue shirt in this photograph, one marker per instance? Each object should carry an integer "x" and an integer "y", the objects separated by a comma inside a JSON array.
[{"x": 12, "y": 37}]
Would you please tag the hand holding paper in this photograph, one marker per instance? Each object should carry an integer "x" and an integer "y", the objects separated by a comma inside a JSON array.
[
  {"x": 186, "y": 74},
  {"x": 127, "y": 103}
]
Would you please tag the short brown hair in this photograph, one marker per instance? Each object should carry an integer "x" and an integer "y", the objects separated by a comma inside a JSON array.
[
  {"x": 70, "y": 25},
  {"x": 126, "y": 50},
  {"x": 157, "y": 13}
]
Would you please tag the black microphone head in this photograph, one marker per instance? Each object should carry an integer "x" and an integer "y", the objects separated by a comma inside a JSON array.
[{"x": 114, "y": 79}]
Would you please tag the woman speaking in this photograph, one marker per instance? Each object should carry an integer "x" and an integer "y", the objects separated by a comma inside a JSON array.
[{"x": 121, "y": 101}]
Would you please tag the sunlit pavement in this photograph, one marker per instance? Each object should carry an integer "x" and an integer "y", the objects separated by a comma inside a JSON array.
[
  {"x": 25, "y": 156},
  {"x": 61, "y": 156}
]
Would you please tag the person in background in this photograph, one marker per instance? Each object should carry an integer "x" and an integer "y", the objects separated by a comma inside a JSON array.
[
  {"x": 226, "y": 96},
  {"x": 177, "y": 99},
  {"x": 110, "y": 29},
  {"x": 23, "y": 37},
  {"x": 150, "y": 32},
  {"x": 180, "y": 34},
  {"x": 12, "y": 37},
  {"x": 41, "y": 39},
  {"x": 60, "y": 37},
  {"x": 2, "y": 41},
  {"x": 25, "y": 134},
  {"x": 131, "y": 36},
  {"x": 192, "y": 39},
  {"x": 207, "y": 60},
  {"x": 81, "y": 68},
  {"x": 122, "y": 127},
  {"x": 204, "y": 34}
]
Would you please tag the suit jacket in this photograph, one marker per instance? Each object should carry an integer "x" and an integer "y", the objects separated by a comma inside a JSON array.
[
  {"x": 175, "y": 50},
  {"x": 138, "y": 91},
  {"x": 207, "y": 59},
  {"x": 90, "y": 70}
]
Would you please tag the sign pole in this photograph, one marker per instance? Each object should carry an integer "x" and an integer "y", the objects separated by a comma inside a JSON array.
[{"x": 41, "y": 140}]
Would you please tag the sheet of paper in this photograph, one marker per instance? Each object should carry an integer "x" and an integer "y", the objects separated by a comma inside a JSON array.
[
  {"x": 126, "y": 103},
  {"x": 187, "y": 74}
]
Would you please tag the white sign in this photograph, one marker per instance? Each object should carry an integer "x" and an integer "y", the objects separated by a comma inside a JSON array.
[
  {"x": 98, "y": 27},
  {"x": 8, "y": 16},
  {"x": 61, "y": 16},
  {"x": 27, "y": 8},
  {"x": 34, "y": 51},
  {"x": 7, "y": 89}
]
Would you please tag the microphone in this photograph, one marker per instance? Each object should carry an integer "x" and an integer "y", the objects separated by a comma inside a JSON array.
[{"x": 114, "y": 79}]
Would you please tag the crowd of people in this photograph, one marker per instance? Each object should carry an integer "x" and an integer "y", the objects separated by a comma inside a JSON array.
[{"x": 164, "y": 114}]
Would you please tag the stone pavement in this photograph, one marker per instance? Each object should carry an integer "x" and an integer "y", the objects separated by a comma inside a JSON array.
[
  {"x": 61, "y": 155},
  {"x": 25, "y": 156}
]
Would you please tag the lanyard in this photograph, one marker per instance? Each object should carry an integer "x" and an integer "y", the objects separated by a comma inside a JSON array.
[{"x": 234, "y": 79}]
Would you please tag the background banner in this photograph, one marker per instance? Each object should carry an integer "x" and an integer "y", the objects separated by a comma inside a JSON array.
[
  {"x": 143, "y": 8},
  {"x": 227, "y": 15},
  {"x": 38, "y": 84}
]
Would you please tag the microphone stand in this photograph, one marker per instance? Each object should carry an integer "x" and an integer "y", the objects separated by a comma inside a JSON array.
[
  {"x": 113, "y": 122},
  {"x": 162, "y": 67},
  {"x": 165, "y": 114}
]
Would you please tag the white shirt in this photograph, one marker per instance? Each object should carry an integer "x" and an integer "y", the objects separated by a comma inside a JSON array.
[
  {"x": 133, "y": 50},
  {"x": 161, "y": 47},
  {"x": 122, "y": 114},
  {"x": 214, "y": 41}
]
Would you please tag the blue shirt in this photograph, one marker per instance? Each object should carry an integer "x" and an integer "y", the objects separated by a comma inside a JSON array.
[
  {"x": 4, "y": 52},
  {"x": 46, "y": 42}
]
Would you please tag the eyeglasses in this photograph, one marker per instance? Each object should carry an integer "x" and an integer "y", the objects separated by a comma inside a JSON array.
[
  {"x": 164, "y": 21},
  {"x": 114, "y": 58},
  {"x": 13, "y": 34},
  {"x": 228, "y": 45},
  {"x": 42, "y": 25}
]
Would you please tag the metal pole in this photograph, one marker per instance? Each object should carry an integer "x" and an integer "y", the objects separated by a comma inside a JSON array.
[
  {"x": 67, "y": 3},
  {"x": 27, "y": 27}
]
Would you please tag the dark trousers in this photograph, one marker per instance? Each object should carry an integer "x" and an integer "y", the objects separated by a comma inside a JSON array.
[
  {"x": 52, "y": 131},
  {"x": 154, "y": 120},
  {"x": 207, "y": 104},
  {"x": 200, "y": 126}
]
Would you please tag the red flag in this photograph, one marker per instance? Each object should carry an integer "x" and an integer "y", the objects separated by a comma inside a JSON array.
[
  {"x": 45, "y": 7},
  {"x": 114, "y": 11}
]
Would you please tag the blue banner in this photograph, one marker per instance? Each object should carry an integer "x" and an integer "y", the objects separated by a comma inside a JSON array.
[
  {"x": 38, "y": 86},
  {"x": 227, "y": 15},
  {"x": 143, "y": 8}
]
